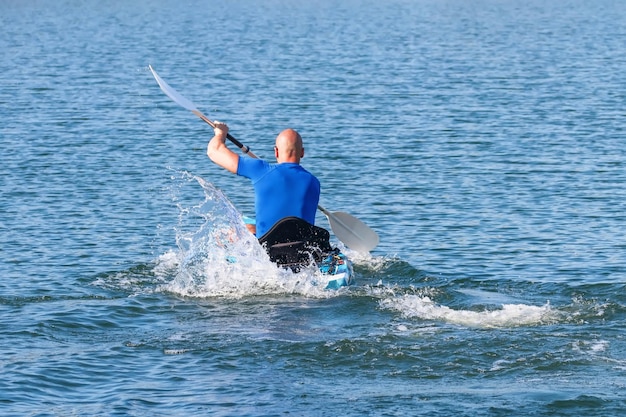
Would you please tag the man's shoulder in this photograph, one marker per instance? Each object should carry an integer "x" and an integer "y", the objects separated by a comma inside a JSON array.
[{"x": 247, "y": 166}]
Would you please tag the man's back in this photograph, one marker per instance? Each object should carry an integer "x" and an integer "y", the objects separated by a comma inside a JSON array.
[{"x": 281, "y": 190}]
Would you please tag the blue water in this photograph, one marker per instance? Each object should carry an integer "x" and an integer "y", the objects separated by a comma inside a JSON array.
[{"x": 483, "y": 140}]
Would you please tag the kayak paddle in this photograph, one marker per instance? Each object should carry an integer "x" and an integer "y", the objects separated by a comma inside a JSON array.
[{"x": 351, "y": 231}]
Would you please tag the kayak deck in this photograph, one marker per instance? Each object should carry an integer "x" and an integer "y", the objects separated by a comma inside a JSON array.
[{"x": 339, "y": 269}]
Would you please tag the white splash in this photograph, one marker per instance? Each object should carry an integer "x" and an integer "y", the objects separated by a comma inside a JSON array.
[
  {"x": 218, "y": 257},
  {"x": 510, "y": 315}
]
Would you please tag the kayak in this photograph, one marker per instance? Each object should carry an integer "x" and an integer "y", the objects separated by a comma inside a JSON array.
[{"x": 293, "y": 243}]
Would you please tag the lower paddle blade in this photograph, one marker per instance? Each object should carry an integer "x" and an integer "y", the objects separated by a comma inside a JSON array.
[{"x": 355, "y": 234}]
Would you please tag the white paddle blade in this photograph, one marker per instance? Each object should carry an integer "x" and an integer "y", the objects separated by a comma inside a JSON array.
[
  {"x": 171, "y": 93},
  {"x": 355, "y": 234}
]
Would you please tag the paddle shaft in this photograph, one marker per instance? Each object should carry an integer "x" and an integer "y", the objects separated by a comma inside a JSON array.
[{"x": 245, "y": 149}]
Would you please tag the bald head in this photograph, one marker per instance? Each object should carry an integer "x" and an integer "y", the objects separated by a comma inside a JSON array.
[{"x": 289, "y": 147}]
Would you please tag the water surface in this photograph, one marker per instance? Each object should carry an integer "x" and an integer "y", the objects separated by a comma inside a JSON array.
[{"x": 482, "y": 140}]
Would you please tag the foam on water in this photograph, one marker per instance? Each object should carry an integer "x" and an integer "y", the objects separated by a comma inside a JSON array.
[
  {"x": 220, "y": 258},
  {"x": 510, "y": 315}
]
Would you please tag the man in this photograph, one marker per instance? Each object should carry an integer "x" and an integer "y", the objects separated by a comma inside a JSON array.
[{"x": 281, "y": 190}]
